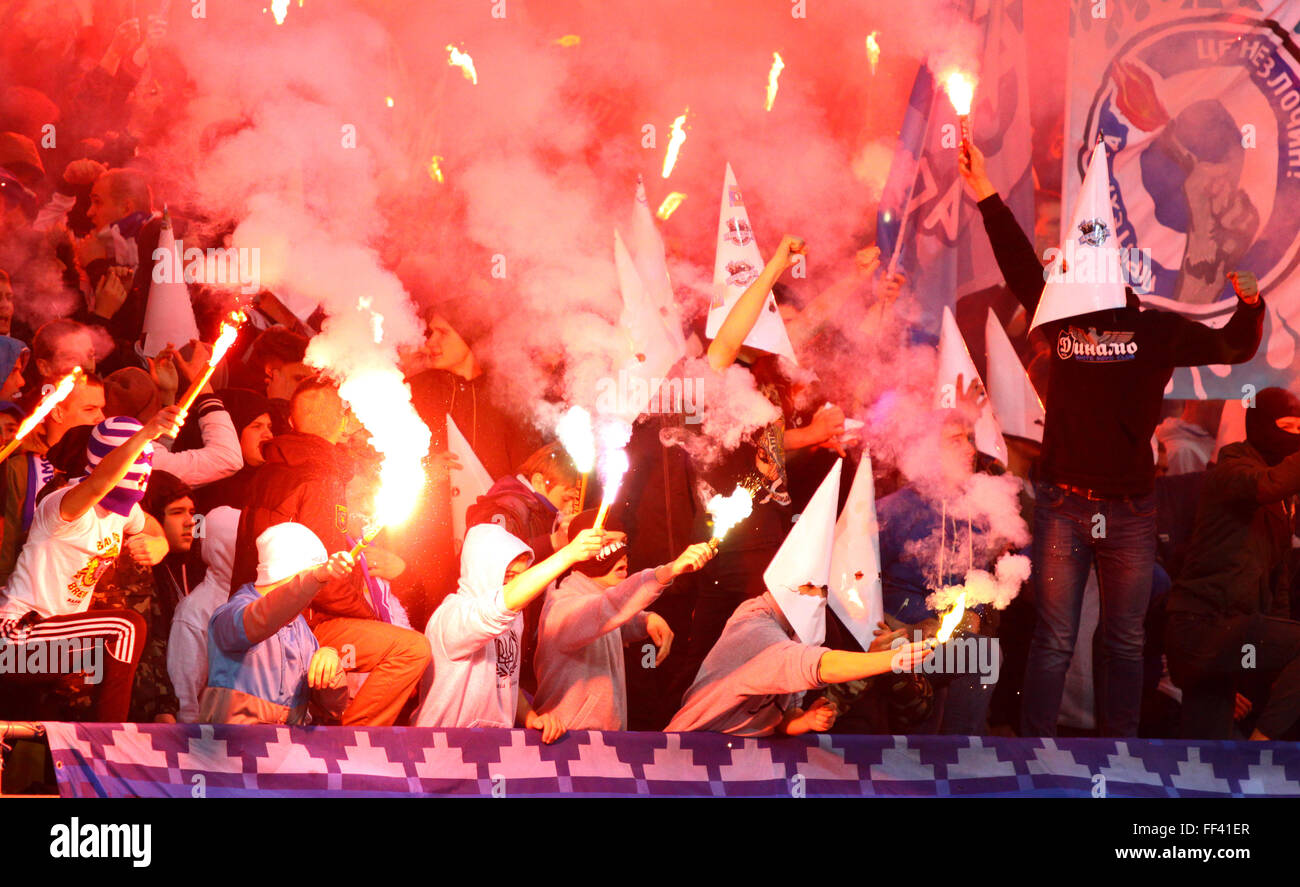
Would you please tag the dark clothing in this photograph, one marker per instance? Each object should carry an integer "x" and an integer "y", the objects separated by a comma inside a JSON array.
[
  {"x": 304, "y": 481},
  {"x": 1244, "y": 524},
  {"x": 501, "y": 441},
  {"x": 522, "y": 511},
  {"x": 1109, "y": 370}
]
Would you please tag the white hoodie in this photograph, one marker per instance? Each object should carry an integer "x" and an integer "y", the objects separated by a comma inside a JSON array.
[
  {"x": 473, "y": 678},
  {"x": 187, "y": 646}
]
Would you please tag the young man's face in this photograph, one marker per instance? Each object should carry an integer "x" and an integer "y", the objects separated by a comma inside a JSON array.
[
  {"x": 444, "y": 345},
  {"x": 71, "y": 350},
  {"x": 84, "y": 406},
  {"x": 178, "y": 525},
  {"x": 517, "y": 566},
  {"x": 104, "y": 210},
  {"x": 282, "y": 379},
  {"x": 254, "y": 435},
  {"x": 563, "y": 496},
  {"x": 619, "y": 571},
  {"x": 8, "y": 428},
  {"x": 957, "y": 452},
  {"x": 6, "y": 307},
  {"x": 14, "y": 384}
]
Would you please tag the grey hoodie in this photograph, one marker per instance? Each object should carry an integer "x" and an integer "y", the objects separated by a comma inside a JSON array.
[
  {"x": 580, "y": 670},
  {"x": 752, "y": 676},
  {"x": 473, "y": 678}
]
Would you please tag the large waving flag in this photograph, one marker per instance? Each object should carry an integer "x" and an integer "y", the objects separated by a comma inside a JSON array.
[{"x": 945, "y": 252}]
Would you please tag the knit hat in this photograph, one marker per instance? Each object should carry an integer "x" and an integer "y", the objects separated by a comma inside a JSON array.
[
  {"x": 244, "y": 406},
  {"x": 285, "y": 550},
  {"x": 130, "y": 392},
  {"x": 108, "y": 436}
]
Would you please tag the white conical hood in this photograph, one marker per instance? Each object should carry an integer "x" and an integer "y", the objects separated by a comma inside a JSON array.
[
  {"x": 805, "y": 559},
  {"x": 1090, "y": 247},
  {"x": 855, "y": 594},
  {"x": 168, "y": 314},
  {"x": 652, "y": 350},
  {"x": 735, "y": 267},
  {"x": 468, "y": 483},
  {"x": 1015, "y": 402},
  {"x": 954, "y": 361},
  {"x": 651, "y": 260}
]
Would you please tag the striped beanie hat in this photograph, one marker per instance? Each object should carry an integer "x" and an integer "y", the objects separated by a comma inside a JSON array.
[{"x": 108, "y": 436}]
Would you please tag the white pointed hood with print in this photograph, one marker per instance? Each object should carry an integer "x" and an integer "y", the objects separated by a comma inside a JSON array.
[
  {"x": 488, "y": 550},
  {"x": 1090, "y": 239},
  {"x": 805, "y": 559},
  {"x": 1015, "y": 402},
  {"x": 855, "y": 589},
  {"x": 736, "y": 265},
  {"x": 468, "y": 482},
  {"x": 651, "y": 259},
  {"x": 954, "y": 361},
  {"x": 168, "y": 313},
  {"x": 652, "y": 349}
]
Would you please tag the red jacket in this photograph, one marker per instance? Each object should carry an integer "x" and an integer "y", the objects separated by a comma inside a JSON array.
[{"x": 303, "y": 480}]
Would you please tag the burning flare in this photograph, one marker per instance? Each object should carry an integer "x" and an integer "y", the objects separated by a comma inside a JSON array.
[
  {"x": 280, "y": 9},
  {"x": 575, "y": 434},
  {"x": 614, "y": 435},
  {"x": 48, "y": 402},
  {"x": 873, "y": 51},
  {"x": 463, "y": 61},
  {"x": 772, "y": 77},
  {"x": 381, "y": 401},
  {"x": 727, "y": 511},
  {"x": 961, "y": 92},
  {"x": 669, "y": 206},
  {"x": 675, "y": 143},
  {"x": 226, "y": 338},
  {"x": 435, "y": 168},
  {"x": 951, "y": 619}
]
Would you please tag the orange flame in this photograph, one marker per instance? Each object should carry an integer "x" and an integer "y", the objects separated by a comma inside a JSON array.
[
  {"x": 951, "y": 619},
  {"x": 229, "y": 332},
  {"x": 778, "y": 65},
  {"x": 435, "y": 168},
  {"x": 675, "y": 143},
  {"x": 49, "y": 402},
  {"x": 280, "y": 9},
  {"x": 381, "y": 401},
  {"x": 669, "y": 206},
  {"x": 961, "y": 91},
  {"x": 873, "y": 51},
  {"x": 730, "y": 510},
  {"x": 462, "y": 60}
]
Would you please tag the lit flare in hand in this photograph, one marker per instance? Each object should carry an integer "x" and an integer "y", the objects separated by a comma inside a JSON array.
[
  {"x": 226, "y": 338},
  {"x": 961, "y": 92},
  {"x": 675, "y": 143},
  {"x": 575, "y": 433},
  {"x": 56, "y": 396},
  {"x": 951, "y": 619},
  {"x": 773, "y": 76}
]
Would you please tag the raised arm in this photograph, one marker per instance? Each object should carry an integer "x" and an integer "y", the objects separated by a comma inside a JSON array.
[
  {"x": 1194, "y": 344},
  {"x": 726, "y": 345},
  {"x": 520, "y": 591},
  {"x": 114, "y": 467},
  {"x": 838, "y": 666},
  {"x": 1012, "y": 249}
]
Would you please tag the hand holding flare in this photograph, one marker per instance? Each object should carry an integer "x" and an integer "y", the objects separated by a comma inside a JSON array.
[{"x": 229, "y": 331}]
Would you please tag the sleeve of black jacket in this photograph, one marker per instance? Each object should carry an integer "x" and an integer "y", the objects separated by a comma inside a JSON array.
[
  {"x": 1243, "y": 476},
  {"x": 1015, "y": 255},
  {"x": 1190, "y": 343}
]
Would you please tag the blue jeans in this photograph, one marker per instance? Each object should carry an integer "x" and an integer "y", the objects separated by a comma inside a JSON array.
[{"x": 1068, "y": 538}]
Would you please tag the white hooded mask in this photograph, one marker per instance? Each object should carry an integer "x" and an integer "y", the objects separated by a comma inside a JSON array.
[{"x": 805, "y": 559}]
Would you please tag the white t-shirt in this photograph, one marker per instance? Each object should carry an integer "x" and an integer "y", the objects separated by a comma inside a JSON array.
[{"x": 62, "y": 561}]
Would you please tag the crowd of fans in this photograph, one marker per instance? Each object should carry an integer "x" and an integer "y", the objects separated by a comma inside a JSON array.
[{"x": 210, "y": 555}]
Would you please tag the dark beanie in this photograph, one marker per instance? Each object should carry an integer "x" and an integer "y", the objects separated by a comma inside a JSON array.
[
  {"x": 1262, "y": 432},
  {"x": 601, "y": 565},
  {"x": 244, "y": 406}
]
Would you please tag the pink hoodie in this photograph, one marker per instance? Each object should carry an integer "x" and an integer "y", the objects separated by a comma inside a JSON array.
[
  {"x": 580, "y": 670},
  {"x": 752, "y": 676},
  {"x": 473, "y": 679}
]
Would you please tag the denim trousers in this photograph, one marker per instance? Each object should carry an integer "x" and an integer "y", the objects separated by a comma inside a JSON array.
[{"x": 1072, "y": 534}]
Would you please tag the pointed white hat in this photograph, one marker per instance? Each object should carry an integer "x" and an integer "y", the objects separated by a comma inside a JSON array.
[
  {"x": 855, "y": 593},
  {"x": 1090, "y": 247},
  {"x": 468, "y": 483},
  {"x": 805, "y": 559},
  {"x": 652, "y": 350},
  {"x": 168, "y": 314},
  {"x": 1015, "y": 402},
  {"x": 954, "y": 361},
  {"x": 651, "y": 259},
  {"x": 736, "y": 265}
]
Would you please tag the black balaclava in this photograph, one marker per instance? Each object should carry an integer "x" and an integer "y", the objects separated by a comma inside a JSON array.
[
  {"x": 1262, "y": 432},
  {"x": 609, "y": 555}
]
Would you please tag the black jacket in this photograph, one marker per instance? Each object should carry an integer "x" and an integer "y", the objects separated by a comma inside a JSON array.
[{"x": 1109, "y": 370}]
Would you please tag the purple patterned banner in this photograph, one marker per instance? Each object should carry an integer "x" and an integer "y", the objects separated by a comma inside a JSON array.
[{"x": 186, "y": 760}]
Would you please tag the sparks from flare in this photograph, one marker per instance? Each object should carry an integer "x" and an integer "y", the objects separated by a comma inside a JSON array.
[
  {"x": 435, "y": 168},
  {"x": 727, "y": 511},
  {"x": 576, "y": 436},
  {"x": 774, "y": 75},
  {"x": 614, "y": 435},
  {"x": 388, "y": 100},
  {"x": 873, "y": 51},
  {"x": 675, "y": 143},
  {"x": 56, "y": 396},
  {"x": 961, "y": 91},
  {"x": 462, "y": 60},
  {"x": 669, "y": 206},
  {"x": 568, "y": 41},
  {"x": 280, "y": 9}
]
